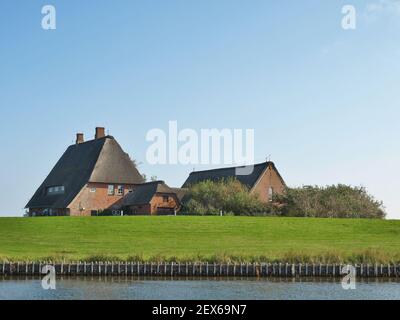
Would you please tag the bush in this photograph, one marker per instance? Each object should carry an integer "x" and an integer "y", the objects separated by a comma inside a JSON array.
[
  {"x": 233, "y": 198},
  {"x": 229, "y": 196},
  {"x": 336, "y": 201}
]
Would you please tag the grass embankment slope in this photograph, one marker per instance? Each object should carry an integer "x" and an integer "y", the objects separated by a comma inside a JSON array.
[{"x": 221, "y": 239}]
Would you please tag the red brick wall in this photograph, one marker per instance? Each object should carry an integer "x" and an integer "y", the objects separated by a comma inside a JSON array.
[
  {"x": 99, "y": 200},
  {"x": 269, "y": 178},
  {"x": 158, "y": 201}
]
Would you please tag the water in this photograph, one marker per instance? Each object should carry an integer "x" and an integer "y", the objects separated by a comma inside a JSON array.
[{"x": 181, "y": 289}]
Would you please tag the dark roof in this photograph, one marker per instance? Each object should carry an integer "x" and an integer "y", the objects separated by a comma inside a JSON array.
[
  {"x": 224, "y": 173},
  {"x": 143, "y": 193},
  {"x": 99, "y": 160}
]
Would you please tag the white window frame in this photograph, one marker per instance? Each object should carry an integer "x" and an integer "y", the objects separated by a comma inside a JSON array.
[{"x": 110, "y": 191}]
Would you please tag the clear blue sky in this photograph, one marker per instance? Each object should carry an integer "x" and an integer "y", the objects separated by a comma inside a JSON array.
[{"x": 324, "y": 102}]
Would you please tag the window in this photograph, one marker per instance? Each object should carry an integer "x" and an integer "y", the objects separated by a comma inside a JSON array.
[
  {"x": 55, "y": 190},
  {"x": 92, "y": 190},
  {"x": 110, "y": 189},
  {"x": 130, "y": 189},
  {"x": 165, "y": 198},
  {"x": 270, "y": 193},
  {"x": 120, "y": 190}
]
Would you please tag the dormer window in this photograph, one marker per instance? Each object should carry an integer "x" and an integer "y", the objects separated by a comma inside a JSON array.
[{"x": 55, "y": 190}]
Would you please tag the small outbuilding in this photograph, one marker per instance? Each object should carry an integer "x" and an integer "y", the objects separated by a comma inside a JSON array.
[{"x": 153, "y": 198}]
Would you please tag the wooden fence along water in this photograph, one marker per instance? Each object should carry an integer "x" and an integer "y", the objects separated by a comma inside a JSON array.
[{"x": 197, "y": 269}]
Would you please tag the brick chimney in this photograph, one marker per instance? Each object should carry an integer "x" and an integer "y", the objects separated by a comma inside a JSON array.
[
  {"x": 79, "y": 138},
  {"x": 100, "y": 133}
]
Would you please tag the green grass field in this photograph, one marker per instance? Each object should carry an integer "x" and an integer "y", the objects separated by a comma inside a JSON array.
[{"x": 219, "y": 239}]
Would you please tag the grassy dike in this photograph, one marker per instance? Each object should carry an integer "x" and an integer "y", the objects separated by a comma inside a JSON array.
[{"x": 188, "y": 239}]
